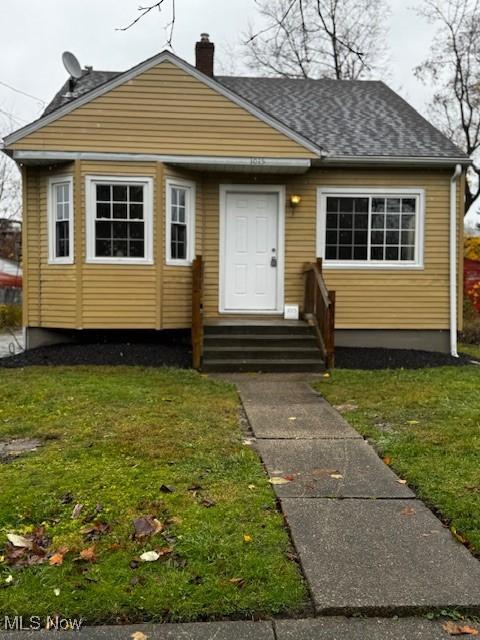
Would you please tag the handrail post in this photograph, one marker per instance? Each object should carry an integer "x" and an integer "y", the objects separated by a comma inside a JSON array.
[
  {"x": 197, "y": 312},
  {"x": 331, "y": 330},
  {"x": 319, "y": 303}
]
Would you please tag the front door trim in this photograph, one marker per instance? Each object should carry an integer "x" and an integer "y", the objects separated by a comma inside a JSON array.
[{"x": 279, "y": 191}]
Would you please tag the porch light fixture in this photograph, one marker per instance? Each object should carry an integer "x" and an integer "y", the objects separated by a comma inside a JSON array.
[{"x": 295, "y": 200}]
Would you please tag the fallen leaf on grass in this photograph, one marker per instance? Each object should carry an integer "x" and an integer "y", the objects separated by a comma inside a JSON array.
[
  {"x": 412, "y": 422},
  {"x": 149, "y": 556},
  {"x": 279, "y": 480},
  {"x": 174, "y": 520},
  {"x": 345, "y": 408},
  {"x": 207, "y": 503},
  {"x": 146, "y": 526},
  {"x": 247, "y": 538},
  {"x": 88, "y": 554},
  {"x": 95, "y": 530},
  {"x": 19, "y": 541},
  {"x": 9, "y": 579},
  {"x": 56, "y": 592},
  {"x": 387, "y": 459},
  {"x": 408, "y": 511},
  {"x": 77, "y": 509},
  {"x": 56, "y": 560},
  {"x": 458, "y": 535},
  {"x": 138, "y": 635},
  {"x": 458, "y": 629},
  {"x": 166, "y": 489},
  {"x": 401, "y": 481},
  {"x": 326, "y": 375},
  {"x": 238, "y": 582}
]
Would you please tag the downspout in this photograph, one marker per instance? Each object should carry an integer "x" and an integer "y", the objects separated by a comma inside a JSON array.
[{"x": 453, "y": 260}]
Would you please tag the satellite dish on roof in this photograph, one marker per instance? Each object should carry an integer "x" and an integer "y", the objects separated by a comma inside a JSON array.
[{"x": 72, "y": 65}]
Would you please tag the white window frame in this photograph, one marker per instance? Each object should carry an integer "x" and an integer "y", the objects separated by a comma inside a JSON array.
[
  {"x": 52, "y": 219},
  {"x": 190, "y": 200},
  {"x": 352, "y": 192},
  {"x": 90, "y": 198}
]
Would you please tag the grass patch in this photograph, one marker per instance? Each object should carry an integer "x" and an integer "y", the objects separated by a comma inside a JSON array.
[
  {"x": 470, "y": 349},
  {"x": 427, "y": 421},
  {"x": 111, "y": 438}
]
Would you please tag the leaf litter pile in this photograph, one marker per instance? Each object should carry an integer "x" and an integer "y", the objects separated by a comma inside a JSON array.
[{"x": 142, "y": 503}]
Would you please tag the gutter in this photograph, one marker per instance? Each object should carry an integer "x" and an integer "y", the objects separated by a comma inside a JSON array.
[
  {"x": 383, "y": 161},
  {"x": 453, "y": 260}
]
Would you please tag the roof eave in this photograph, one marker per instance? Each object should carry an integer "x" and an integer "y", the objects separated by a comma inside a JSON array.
[{"x": 344, "y": 160}]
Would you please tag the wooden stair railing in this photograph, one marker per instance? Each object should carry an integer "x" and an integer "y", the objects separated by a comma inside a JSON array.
[
  {"x": 197, "y": 312},
  {"x": 319, "y": 306}
]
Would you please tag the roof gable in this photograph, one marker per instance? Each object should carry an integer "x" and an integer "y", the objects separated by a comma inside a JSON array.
[{"x": 113, "y": 81}]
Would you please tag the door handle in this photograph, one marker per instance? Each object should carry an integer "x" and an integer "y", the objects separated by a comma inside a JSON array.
[{"x": 273, "y": 261}]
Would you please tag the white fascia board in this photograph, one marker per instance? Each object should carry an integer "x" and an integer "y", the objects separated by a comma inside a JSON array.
[
  {"x": 165, "y": 56},
  {"x": 253, "y": 161},
  {"x": 391, "y": 160}
]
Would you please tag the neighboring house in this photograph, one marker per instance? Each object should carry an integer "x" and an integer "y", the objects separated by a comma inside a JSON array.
[
  {"x": 128, "y": 176},
  {"x": 10, "y": 282}
]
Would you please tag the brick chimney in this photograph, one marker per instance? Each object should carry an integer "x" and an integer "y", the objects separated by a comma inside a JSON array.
[{"x": 204, "y": 52}]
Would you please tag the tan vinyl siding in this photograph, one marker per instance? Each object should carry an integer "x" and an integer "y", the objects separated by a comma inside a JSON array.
[
  {"x": 366, "y": 299},
  {"x": 164, "y": 111},
  {"x": 159, "y": 296}
]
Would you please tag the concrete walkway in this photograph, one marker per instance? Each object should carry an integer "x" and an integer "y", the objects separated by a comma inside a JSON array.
[{"x": 366, "y": 545}]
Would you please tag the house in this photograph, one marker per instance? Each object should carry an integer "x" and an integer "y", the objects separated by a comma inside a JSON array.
[{"x": 128, "y": 176}]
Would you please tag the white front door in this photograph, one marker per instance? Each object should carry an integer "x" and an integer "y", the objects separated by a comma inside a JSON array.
[{"x": 251, "y": 249}]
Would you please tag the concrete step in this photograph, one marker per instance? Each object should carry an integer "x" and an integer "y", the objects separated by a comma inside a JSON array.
[
  {"x": 260, "y": 340},
  {"x": 280, "y": 328},
  {"x": 271, "y": 365},
  {"x": 259, "y": 352}
]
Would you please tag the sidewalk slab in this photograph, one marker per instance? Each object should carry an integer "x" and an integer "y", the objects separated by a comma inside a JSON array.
[
  {"x": 311, "y": 464},
  {"x": 380, "y": 557},
  {"x": 362, "y": 629},
  {"x": 189, "y": 631},
  {"x": 279, "y": 408}
]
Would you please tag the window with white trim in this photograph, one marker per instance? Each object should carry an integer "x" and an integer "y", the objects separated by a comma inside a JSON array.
[
  {"x": 180, "y": 218},
  {"x": 60, "y": 224},
  {"x": 119, "y": 219},
  {"x": 373, "y": 228}
]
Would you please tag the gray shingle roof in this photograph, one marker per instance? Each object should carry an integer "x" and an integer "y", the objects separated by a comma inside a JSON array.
[
  {"x": 346, "y": 117},
  {"x": 343, "y": 117}
]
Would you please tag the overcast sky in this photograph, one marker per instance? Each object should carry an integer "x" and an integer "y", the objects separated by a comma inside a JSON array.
[{"x": 34, "y": 35}]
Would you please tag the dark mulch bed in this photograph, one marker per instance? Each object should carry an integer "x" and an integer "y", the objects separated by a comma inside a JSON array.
[
  {"x": 146, "y": 354},
  {"x": 358, "y": 358}
]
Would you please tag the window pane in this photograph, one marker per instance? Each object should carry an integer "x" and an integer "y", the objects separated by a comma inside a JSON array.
[
  {"x": 59, "y": 211},
  {"x": 377, "y": 237},
  {"x": 119, "y": 248},
  {"x": 332, "y": 221},
  {"x": 174, "y": 213},
  {"x": 392, "y": 237},
  {"x": 181, "y": 197},
  {"x": 136, "y": 230},
  {"x": 178, "y": 242},
  {"x": 346, "y": 237},
  {"x": 393, "y": 221},
  {"x": 361, "y": 221},
  {"x": 378, "y": 205},
  {"x": 103, "y": 230},
  {"x": 376, "y": 253},
  {"x": 136, "y": 193},
  {"x": 378, "y": 221},
  {"x": 103, "y": 248},
  {"x": 345, "y": 253},
  {"x": 103, "y": 193},
  {"x": 136, "y": 249},
  {"x": 104, "y": 210},
  {"x": 346, "y": 221},
  {"x": 119, "y": 210},
  {"x": 62, "y": 249},
  {"x": 360, "y": 205},
  {"x": 361, "y": 237},
  {"x": 136, "y": 211},
  {"x": 332, "y": 205},
  {"x": 408, "y": 222},
  {"x": 408, "y": 205},
  {"x": 119, "y": 193},
  {"x": 360, "y": 253},
  {"x": 119, "y": 230},
  {"x": 408, "y": 237},
  {"x": 174, "y": 196},
  {"x": 346, "y": 205},
  {"x": 331, "y": 252},
  {"x": 332, "y": 237},
  {"x": 393, "y": 205},
  {"x": 407, "y": 253},
  {"x": 391, "y": 253}
]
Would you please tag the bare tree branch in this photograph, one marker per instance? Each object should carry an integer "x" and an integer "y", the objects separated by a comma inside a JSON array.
[
  {"x": 145, "y": 10},
  {"x": 453, "y": 66},
  {"x": 343, "y": 39}
]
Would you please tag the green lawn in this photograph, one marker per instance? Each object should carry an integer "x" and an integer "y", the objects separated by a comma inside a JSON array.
[
  {"x": 470, "y": 349},
  {"x": 428, "y": 422},
  {"x": 111, "y": 438}
]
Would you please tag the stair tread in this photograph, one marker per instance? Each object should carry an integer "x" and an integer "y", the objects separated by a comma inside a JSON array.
[
  {"x": 259, "y": 336},
  {"x": 270, "y": 349},
  {"x": 263, "y": 361}
]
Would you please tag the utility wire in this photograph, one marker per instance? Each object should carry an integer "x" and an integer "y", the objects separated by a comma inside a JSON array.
[
  {"x": 23, "y": 93},
  {"x": 18, "y": 120}
]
